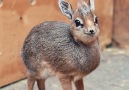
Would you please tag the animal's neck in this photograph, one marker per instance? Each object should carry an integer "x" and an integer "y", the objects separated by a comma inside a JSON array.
[
  {"x": 89, "y": 53},
  {"x": 83, "y": 41}
]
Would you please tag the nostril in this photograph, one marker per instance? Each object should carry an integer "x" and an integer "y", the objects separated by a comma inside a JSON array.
[{"x": 91, "y": 31}]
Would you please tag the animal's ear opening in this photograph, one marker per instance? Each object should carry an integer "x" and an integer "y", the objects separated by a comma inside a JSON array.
[{"x": 66, "y": 8}]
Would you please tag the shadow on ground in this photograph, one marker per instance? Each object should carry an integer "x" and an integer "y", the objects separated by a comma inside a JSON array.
[{"x": 112, "y": 74}]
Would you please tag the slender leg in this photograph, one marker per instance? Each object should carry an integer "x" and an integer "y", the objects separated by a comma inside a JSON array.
[
  {"x": 66, "y": 83},
  {"x": 79, "y": 84},
  {"x": 41, "y": 84},
  {"x": 30, "y": 82}
]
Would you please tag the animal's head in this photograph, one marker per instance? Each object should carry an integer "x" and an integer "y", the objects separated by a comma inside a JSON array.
[{"x": 84, "y": 23}]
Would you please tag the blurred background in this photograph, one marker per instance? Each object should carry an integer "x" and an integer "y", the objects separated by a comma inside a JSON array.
[{"x": 17, "y": 17}]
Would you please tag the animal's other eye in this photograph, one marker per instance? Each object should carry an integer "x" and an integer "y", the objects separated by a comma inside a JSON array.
[
  {"x": 96, "y": 20},
  {"x": 79, "y": 23}
]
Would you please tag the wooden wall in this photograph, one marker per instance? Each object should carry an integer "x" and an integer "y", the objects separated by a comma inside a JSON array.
[
  {"x": 17, "y": 17},
  {"x": 121, "y": 23}
]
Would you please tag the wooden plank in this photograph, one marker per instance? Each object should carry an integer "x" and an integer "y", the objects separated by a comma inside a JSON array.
[
  {"x": 11, "y": 39},
  {"x": 104, "y": 10},
  {"x": 11, "y": 72},
  {"x": 121, "y": 23}
]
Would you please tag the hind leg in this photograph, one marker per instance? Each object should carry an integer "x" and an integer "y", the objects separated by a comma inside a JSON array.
[
  {"x": 30, "y": 82},
  {"x": 66, "y": 82},
  {"x": 41, "y": 84},
  {"x": 79, "y": 84}
]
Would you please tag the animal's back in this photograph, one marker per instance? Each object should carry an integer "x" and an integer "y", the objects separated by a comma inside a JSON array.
[{"x": 43, "y": 42}]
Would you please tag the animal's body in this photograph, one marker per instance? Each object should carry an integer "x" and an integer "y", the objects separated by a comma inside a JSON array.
[{"x": 54, "y": 48}]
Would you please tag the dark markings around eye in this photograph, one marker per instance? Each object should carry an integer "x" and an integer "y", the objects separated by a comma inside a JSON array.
[
  {"x": 78, "y": 23},
  {"x": 96, "y": 20}
]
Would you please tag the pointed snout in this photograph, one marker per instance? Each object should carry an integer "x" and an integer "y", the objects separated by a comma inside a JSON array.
[
  {"x": 90, "y": 27},
  {"x": 91, "y": 31}
]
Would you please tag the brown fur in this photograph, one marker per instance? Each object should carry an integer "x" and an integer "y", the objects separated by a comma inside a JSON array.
[{"x": 56, "y": 48}]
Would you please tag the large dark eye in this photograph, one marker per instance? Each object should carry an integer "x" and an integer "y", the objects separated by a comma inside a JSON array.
[
  {"x": 79, "y": 23},
  {"x": 96, "y": 20}
]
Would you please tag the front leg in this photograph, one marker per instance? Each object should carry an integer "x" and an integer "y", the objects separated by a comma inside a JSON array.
[
  {"x": 41, "y": 84},
  {"x": 31, "y": 81},
  {"x": 66, "y": 82},
  {"x": 79, "y": 84}
]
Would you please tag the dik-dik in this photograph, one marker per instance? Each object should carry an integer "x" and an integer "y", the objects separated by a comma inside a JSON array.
[{"x": 68, "y": 51}]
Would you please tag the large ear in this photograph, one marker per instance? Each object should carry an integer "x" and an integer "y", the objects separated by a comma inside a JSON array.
[
  {"x": 66, "y": 8},
  {"x": 92, "y": 5}
]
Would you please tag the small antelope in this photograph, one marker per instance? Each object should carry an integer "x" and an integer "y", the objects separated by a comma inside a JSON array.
[{"x": 68, "y": 51}]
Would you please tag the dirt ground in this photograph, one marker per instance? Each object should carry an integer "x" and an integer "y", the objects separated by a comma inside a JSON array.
[{"x": 112, "y": 74}]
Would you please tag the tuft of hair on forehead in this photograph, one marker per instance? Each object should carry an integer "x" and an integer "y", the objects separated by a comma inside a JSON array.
[
  {"x": 88, "y": 2},
  {"x": 85, "y": 7},
  {"x": 84, "y": 10}
]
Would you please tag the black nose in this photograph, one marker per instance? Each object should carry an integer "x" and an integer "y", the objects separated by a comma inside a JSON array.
[{"x": 92, "y": 31}]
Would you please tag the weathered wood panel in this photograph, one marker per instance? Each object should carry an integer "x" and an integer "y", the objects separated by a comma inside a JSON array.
[
  {"x": 121, "y": 23},
  {"x": 11, "y": 33},
  {"x": 105, "y": 14}
]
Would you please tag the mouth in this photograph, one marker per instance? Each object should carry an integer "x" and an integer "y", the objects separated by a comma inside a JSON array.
[{"x": 89, "y": 33}]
